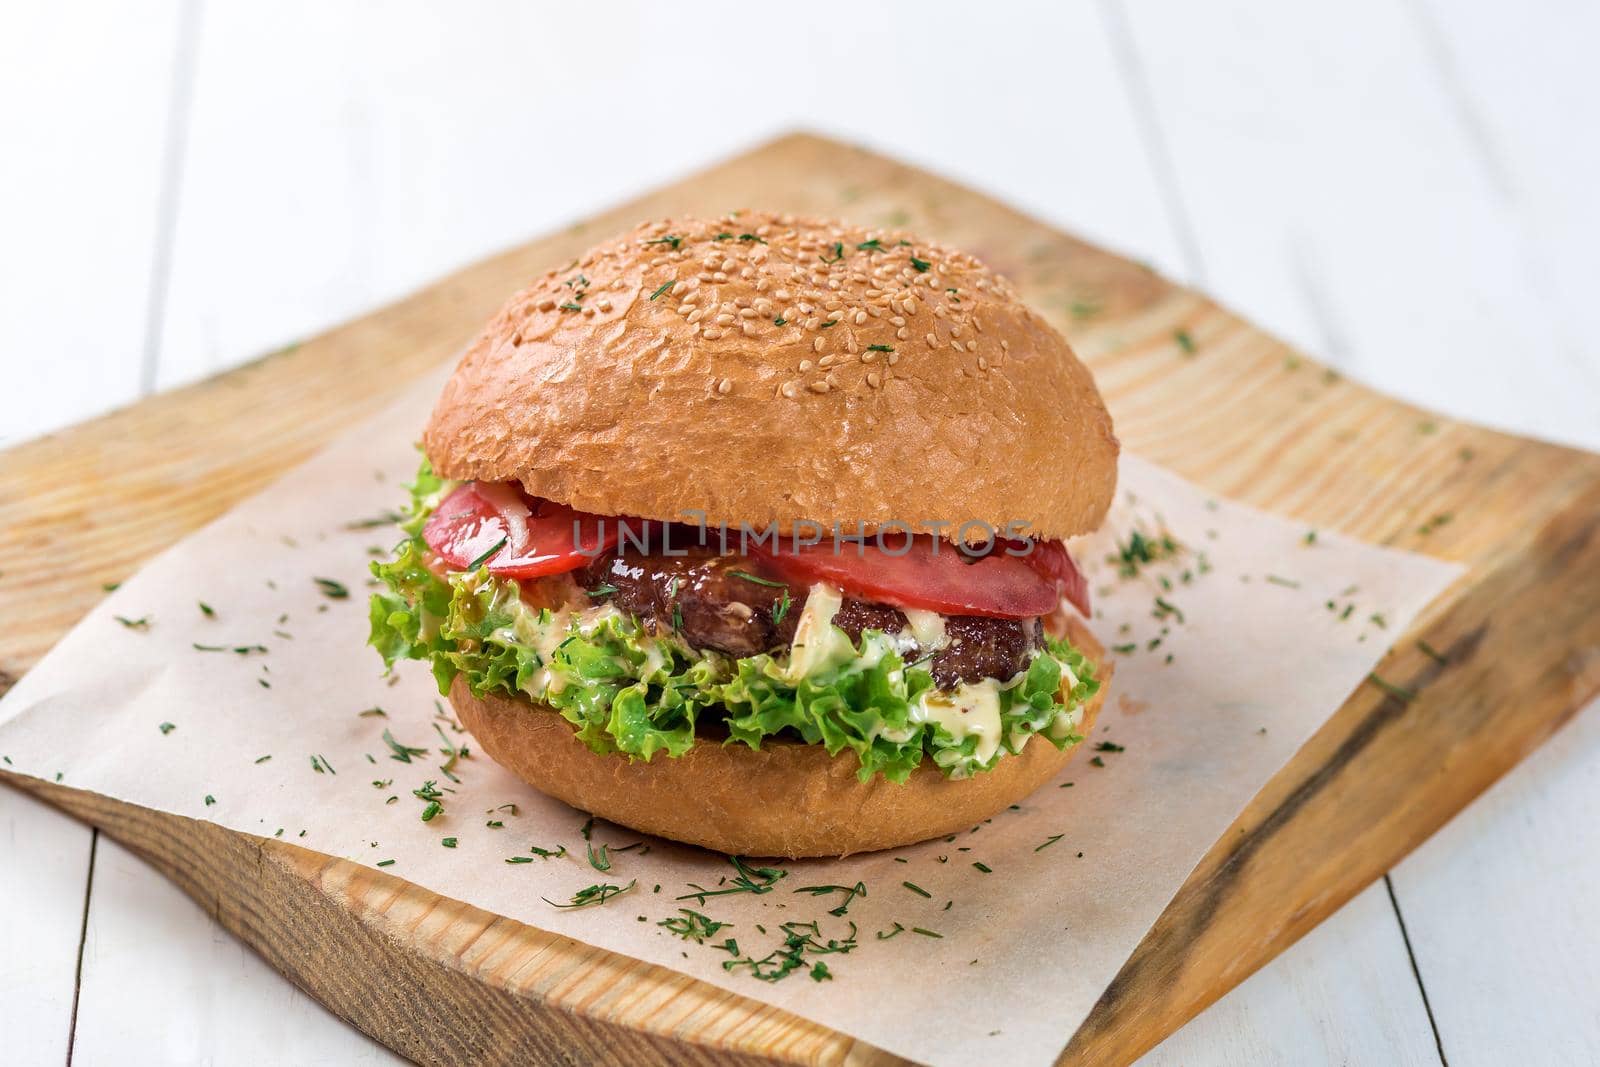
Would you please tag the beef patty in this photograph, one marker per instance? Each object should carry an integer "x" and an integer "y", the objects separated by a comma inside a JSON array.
[{"x": 727, "y": 603}]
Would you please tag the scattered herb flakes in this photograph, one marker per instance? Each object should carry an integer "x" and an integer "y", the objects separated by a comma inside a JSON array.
[
  {"x": 602, "y": 590},
  {"x": 747, "y": 880},
  {"x": 587, "y": 829},
  {"x": 433, "y": 800},
  {"x": 1400, "y": 693},
  {"x": 1052, "y": 839},
  {"x": 495, "y": 824},
  {"x": 1097, "y": 762},
  {"x": 850, "y": 893},
  {"x": 1310, "y": 538},
  {"x": 592, "y": 895},
  {"x": 373, "y": 713},
  {"x": 481, "y": 560},
  {"x": 111, "y": 587},
  {"x": 880, "y": 348},
  {"x": 799, "y": 939},
  {"x": 781, "y": 608},
  {"x": 665, "y": 287},
  {"x": 895, "y": 930},
  {"x": 263, "y": 759},
  {"x": 1185, "y": 342},
  {"x": 692, "y": 926},
  {"x": 519, "y": 859},
  {"x": 1110, "y": 746},
  {"x": 600, "y": 861},
  {"x": 917, "y": 889},
  {"x": 1432, "y": 653},
  {"x": 331, "y": 589},
  {"x": 1142, "y": 550},
  {"x": 920, "y": 265},
  {"x": 984, "y": 867},
  {"x": 385, "y": 863},
  {"x": 874, "y": 245},
  {"x": 819, "y": 972},
  {"x": 400, "y": 752},
  {"x": 210, "y": 800},
  {"x": 141, "y": 623},
  {"x": 669, "y": 240},
  {"x": 1287, "y": 583},
  {"x": 780, "y": 321},
  {"x": 388, "y": 518},
  {"x": 747, "y": 576},
  {"x": 548, "y": 853},
  {"x": 1164, "y": 608},
  {"x": 1377, "y": 619},
  {"x": 1434, "y": 523},
  {"x": 206, "y": 609},
  {"x": 166, "y": 728},
  {"x": 448, "y": 842},
  {"x": 838, "y": 253}
]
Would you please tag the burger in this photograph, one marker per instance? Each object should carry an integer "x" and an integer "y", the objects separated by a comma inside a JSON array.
[{"x": 748, "y": 533}]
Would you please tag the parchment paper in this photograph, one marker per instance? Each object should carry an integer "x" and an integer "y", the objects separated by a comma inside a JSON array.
[{"x": 1261, "y": 631}]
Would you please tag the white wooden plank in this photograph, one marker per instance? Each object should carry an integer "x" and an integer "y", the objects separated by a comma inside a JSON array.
[
  {"x": 1500, "y": 904},
  {"x": 1343, "y": 994},
  {"x": 1504, "y": 916},
  {"x": 1340, "y": 201},
  {"x": 42, "y": 880},
  {"x": 163, "y": 984},
  {"x": 406, "y": 145},
  {"x": 84, "y": 92}
]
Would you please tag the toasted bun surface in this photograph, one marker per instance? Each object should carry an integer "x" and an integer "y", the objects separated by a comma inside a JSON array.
[
  {"x": 766, "y": 368},
  {"x": 785, "y": 799}
]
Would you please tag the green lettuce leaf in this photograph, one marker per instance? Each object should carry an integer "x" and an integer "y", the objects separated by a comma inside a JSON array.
[{"x": 641, "y": 694}]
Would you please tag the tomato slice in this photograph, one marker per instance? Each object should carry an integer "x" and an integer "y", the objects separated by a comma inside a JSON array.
[
  {"x": 1050, "y": 558},
  {"x": 923, "y": 575},
  {"x": 516, "y": 535}
]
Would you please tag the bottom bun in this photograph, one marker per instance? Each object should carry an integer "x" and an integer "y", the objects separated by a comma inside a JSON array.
[{"x": 786, "y": 798}]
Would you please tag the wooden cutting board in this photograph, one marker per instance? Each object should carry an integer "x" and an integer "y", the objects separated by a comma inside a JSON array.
[{"x": 1511, "y": 651}]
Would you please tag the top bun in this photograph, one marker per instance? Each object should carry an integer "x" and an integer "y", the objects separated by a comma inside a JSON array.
[{"x": 766, "y": 368}]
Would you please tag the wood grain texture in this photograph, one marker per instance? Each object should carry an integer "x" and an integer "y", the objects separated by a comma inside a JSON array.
[{"x": 1227, "y": 406}]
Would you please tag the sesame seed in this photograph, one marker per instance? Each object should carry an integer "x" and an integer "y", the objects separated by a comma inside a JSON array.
[
  {"x": 711, "y": 333},
  {"x": 873, "y": 379},
  {"x": 725, "y": 387},
  {"x": 547, "y": 304},
  {"x": 816, "y": 344},
  {"x": 805, "y": 365},
  {"x": 819, "y": 387},
  {"x": 788, "y": 389}
]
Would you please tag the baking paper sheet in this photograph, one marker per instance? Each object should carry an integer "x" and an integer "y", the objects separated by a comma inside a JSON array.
[{"x": 1008, "y": 933}]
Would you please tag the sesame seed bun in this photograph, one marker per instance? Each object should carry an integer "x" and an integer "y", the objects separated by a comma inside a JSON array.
[
  {"x": 764, "y": 368},
  {"x": 785, "y": 799}
]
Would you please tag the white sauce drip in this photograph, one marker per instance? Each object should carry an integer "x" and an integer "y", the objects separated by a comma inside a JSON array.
[
  {"x": 818, "y": 644},
  {"x": 927, "y": 628},
  {"x": 972, "y": 709}
]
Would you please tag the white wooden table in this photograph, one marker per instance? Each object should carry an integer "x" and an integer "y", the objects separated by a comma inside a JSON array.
[{"x": 1405, "y": 188}]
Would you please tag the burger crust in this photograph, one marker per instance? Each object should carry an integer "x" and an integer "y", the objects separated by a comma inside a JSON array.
[
  {"x": 785, "y": 799},
  {"x": 907, "y": 384}
]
